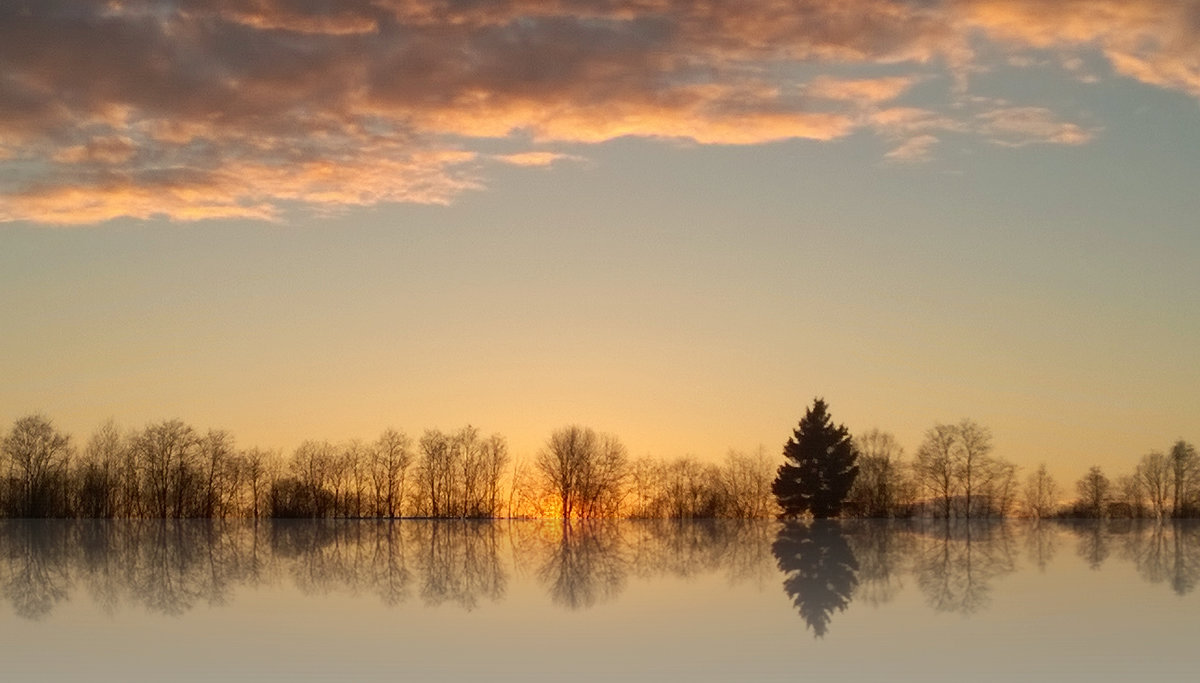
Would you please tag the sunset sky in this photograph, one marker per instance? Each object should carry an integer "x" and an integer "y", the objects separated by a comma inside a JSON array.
[{"x": 675, "y": 221}]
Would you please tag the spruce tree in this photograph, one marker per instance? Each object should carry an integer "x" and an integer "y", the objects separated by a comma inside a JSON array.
[{"x": 820, "y": 466}]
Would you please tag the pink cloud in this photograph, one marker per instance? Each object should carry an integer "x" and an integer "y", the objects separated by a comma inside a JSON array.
[{"x": 365, "y": 101}]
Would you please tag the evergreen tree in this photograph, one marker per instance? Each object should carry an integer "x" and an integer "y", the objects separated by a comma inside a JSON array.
[{"x": 820, "y": 466}]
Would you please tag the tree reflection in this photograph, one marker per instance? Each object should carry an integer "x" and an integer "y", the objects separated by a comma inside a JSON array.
[
  {"x": 820, "y": 570},
  {"x": 883, "y": 549},
  {"x": 459, "y": 562},
  {"x": 956, "y": 562},
  {"x": 1093, "y": 541},
  {"x": 1041, "y": 543},
  {"x": 34, "y": 576},
  {"x": 587, "y": 565},
  {"x": 1165, "y": 553},
  {"x": 172, "y": 566}
]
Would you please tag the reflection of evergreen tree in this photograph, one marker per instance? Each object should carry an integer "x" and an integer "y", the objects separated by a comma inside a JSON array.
[{"x": 821, "y": 571}]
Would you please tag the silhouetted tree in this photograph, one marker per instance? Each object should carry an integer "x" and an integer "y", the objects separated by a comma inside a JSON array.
[
  {"x": 881, "y": 488},
  {"x": 972, "y": 463},
  {"x": 954, "y": 465},
  {"x": 98, "y": 473},
  {"x": 435, "y": 474},
  {"x": 167, "y": 454},
  {"x": 1153, "y": 476},
  {"x": 820, "y": 570},
  {"x": 745, "y": 482},
  {"x": 934, "y": 466},
  {"x": 1185, "y": 476},
  {"x": 819, "y": 469},
  {"x": 584, "y": 471},
  {"x": 220, "y": 474},
  {"x": 309, "y": 494},
  {"x": 1041, "y": 493},
  {"x": 256, "y": 471},
  {"x": 38, "y": 461},
  {"x": 1129, "y": 497},
  {"x": 1095, "y": 490},
  {"x": 689, "y": 489},
  {"x": 493, "y": 460},
  {"x": 390, "y": 460}
]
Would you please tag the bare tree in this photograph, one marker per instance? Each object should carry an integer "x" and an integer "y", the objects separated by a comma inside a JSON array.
[
  {"x": 38, "y": 460},
  {"x": 1130, "y": 495},
  {"x": 435, "y": 474},
  {"x": 1041, "y": 493},
  {"x": 1154, "y": 475},
  {"x": 255, "y": 470},
  {"x": 935, "y": 466},
  {"x": 494, "y": 459},
  {"x": 99, "y": 473},
  {"x": 215, "y": 451},
  {"x": 356, "y": 463},
  {"x": 468, "y": 472},
  {"x": 1185, "y": 475},
  {"x": 602, "y": 485},
  {"x": 390, "y": 460},
  {"x": 690, "y": 489},
  {"x": 585, "y": 471},
  {"x": 561, "y": 463},
  {"x": 645, "y": 475},
  {"x": 746, "y": 482},
  {"x": 881, "y": 474},
  {"x": 167, "y": 451},
  {"x": 973, "y": 465},
  {"x": 999, "y": 489},
  {"x": 1095, "y": 490},
  {"x": 955, "y": 463},
  {"x": 312, "y": 466}
]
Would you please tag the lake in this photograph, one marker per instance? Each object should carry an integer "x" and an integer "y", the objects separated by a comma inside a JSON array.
[{"x": 631, "y": 600}]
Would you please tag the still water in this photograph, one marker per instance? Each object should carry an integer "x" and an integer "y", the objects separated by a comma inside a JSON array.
[{"x": 532, "y": 601}]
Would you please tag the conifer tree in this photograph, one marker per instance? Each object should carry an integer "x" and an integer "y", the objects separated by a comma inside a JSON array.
[{"x": 819, "y": 469}]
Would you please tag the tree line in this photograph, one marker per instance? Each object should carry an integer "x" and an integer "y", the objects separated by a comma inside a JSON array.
[
  {"x": 955, "y": 474},
  {"x": 169, "y": 469}
]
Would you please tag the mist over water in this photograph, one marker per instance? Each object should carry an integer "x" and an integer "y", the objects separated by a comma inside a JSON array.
[{"x": 647, "y": 600}]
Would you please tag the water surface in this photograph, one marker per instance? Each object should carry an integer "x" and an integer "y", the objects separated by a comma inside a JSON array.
[{"x": 697, "y": 601}]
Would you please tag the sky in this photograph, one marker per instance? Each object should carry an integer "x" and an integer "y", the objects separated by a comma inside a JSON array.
[{"x": 673, "y": 221}]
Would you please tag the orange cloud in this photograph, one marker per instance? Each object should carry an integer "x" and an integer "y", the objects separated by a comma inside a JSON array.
[
  {"x": 533, "y": 158},
  {"x": 1153, "y": 41},
  {"x": 1018, "y": 126},
  {"x": 112, "y": 149},
  {"x": 863, "y": 90}
]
